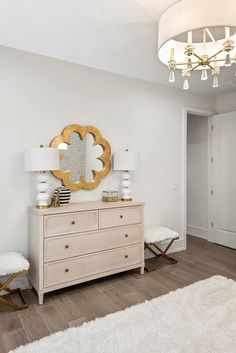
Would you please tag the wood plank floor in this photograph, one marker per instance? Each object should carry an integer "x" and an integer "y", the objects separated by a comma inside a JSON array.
[{"x": 73, "y": 306}]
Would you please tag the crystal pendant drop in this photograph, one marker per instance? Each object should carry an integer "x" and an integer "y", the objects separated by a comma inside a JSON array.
[
  {"x": 186, "y": 84},
  {"x": 228, "y": 61},
  {"x": 189, "y": 64},
  {"x": 215, "y": 82},
  {"x": 172, "y": 76},
  {"x": 204, "y": 75}
]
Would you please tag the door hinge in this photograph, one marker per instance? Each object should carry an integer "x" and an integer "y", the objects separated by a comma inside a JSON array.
[
  {"x": 212, "y": 192},
  {"x": 212, "y": 159},
  {"x": 212, "y": 127},
  {"x": 212, "y": 224}
]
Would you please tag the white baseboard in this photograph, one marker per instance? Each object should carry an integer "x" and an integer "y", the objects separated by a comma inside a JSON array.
[{"x": 197, "y": 231}]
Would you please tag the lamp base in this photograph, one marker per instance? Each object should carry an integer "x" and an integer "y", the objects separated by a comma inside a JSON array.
[
  {"x": 126, "y": 186},
  {"x": 42, "y": 206},
  {"x": 42, "y": 187}
]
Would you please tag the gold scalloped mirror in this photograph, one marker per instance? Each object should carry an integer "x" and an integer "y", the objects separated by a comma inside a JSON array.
[{"x": 84, "y": 157}]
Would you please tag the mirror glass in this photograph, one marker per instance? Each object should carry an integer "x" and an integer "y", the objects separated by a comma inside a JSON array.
[
  {"x": 84, "y": 157},
  {"x": 80, "y": 157}
]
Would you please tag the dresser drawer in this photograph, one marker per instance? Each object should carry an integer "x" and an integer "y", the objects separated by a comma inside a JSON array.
[
  {"x": 58, "y": 248},
  {"x": 70, "y": 223},
  {"x": 119, "y": 217},
  {"x": 85, "y": 266}
]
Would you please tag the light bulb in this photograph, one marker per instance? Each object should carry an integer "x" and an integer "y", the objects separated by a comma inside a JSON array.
[
  {"x": 215, "y": 82},
  {"x": 228, "y": 61},
  {"x": 172, "y": 76},
  {"x": 204, "y": 75},
  {"x": 186, "y": 84}
]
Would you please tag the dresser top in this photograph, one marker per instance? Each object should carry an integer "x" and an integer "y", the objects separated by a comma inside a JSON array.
[{"x": 84, "y": 206}]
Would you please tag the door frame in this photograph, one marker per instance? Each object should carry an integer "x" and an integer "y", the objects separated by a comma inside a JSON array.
[{"x": 208, "y": 114}]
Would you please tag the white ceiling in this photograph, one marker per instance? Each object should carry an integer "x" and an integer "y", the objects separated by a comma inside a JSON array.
[{"x": 119, "y": 36}]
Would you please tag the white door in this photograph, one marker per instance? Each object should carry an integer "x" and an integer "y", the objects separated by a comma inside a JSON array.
[{"x": 223, "y": 200}]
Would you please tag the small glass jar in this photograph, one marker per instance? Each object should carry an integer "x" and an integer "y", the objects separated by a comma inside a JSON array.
[{"x": 110, "y": 196}]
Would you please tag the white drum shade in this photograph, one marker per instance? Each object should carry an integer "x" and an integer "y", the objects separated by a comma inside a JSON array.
[
  {"x": 189, "y": 15},
  {"x": 125, "y": 160},
  {"x": 41, "y": 159}
]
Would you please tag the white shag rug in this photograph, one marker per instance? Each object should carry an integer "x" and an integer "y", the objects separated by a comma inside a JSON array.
[{"x": 200, "y": 318}]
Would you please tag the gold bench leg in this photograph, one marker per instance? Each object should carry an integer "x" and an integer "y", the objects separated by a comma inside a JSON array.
[
  {"x": 9, "y": 302},
  {"x": 159, "y": 257}
]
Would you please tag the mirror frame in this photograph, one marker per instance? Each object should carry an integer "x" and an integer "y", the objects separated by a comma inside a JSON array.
[{"x": 104, "y": 158}]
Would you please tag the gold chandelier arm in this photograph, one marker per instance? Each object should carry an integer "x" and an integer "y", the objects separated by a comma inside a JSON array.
[
  {"x": 211, "y": 67},
  {"x": 194, "y": 68},
  {"x": 217, "y": 60},
  {"x": 211, "y": 57},
  {"x": 184, "y": 63},
  {"x": 220, "y": 60},
  {"x": 197, "y": 56}
]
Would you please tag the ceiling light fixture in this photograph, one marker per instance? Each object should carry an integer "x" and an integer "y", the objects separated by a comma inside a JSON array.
[{"x": 197, "y": 35}]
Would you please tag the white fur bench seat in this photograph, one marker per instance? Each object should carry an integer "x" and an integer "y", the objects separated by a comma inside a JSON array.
[
  {"x": 12, "y": 262},
  {"x": 158, "y": 235},
  {"x": 12, "y": 265}
]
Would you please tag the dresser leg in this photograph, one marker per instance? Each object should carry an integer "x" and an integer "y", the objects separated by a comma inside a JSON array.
[
  {"x": 40, "y": 297},
  {"x": 141, "y": 270}
]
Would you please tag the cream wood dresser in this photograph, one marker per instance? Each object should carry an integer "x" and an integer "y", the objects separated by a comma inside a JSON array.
[{"x": 83, "y": 241}]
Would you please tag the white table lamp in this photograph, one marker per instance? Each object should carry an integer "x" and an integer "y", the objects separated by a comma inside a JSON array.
[
  {"x": 126, "y": 161},
  {"x": 42, "y": 159}
]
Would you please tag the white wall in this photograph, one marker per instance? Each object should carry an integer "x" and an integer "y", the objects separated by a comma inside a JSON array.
[
  {"x": 40, "y": 96},
  {"x": 226, "y": 103},
  {"x": 197, "y": 175}
]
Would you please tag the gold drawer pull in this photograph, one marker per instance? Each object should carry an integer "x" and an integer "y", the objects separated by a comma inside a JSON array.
[
  {"x": 73, "y": 222},
  {"x": 121, "y": 216},
  {"x": 66, "y": 246},
  {"x": 66, "y": 270},
  {"x": 126, "y": 235},
  {"x": 126, "y": 256}
]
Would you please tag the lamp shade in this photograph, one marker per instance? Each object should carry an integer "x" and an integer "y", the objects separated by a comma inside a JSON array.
[
  {"x": 188, "y": 15},
  {"x": 192, "y": 15},
  {"x": 125, "y": 160},
  {"x": 41, "y": 159}
]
